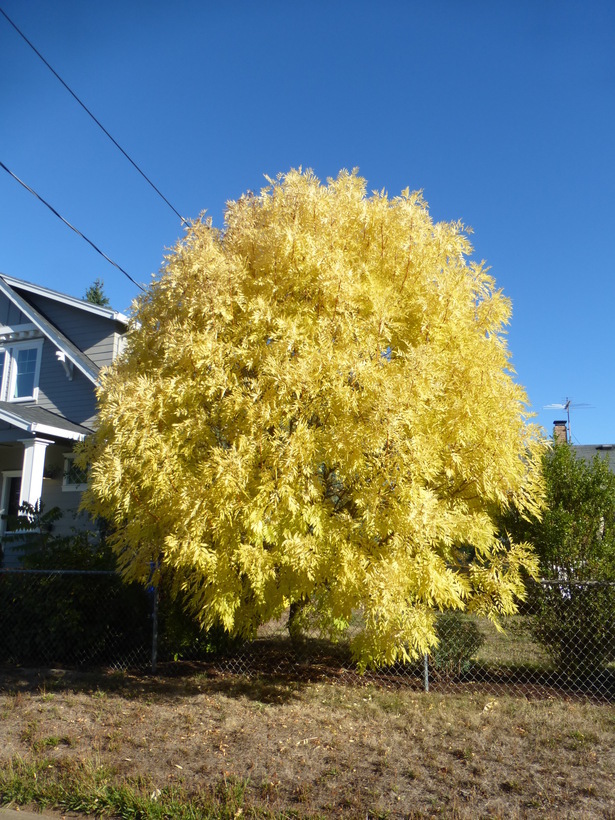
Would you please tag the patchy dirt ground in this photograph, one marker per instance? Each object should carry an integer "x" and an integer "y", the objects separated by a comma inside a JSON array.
[{"x": 321, "y": 748}]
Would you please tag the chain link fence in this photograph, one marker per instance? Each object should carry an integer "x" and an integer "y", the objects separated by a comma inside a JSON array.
[
  {"x": 561, "y": 644},
  {"x": 73, "y": 618}
]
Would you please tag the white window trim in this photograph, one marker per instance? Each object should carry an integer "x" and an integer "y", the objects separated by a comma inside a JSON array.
[
  {"x": 66, "y": 487},
  {"x": 9, "y": 376}
]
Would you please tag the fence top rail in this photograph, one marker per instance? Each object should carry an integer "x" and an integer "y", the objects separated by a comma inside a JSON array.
[
  {"x": 552, "y": 582},
  {"x": 19, "y": 571},
  {"x": 561, "y": 582}
]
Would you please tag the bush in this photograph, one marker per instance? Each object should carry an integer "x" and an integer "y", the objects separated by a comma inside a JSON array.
[
  {"x": 576, "y": 625},
  {"x": 180, "y": 637},
  {"x": 574, "y": 613},
  {"x": 458, "y": 641},
  {"x": 60, "y": 618},
  {"x": 76, "y": 610}
]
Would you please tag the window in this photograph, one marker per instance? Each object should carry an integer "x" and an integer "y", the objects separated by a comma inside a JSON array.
[
  {"x": 75, "y": 477},
  {"x": 19, "y": 370},
  {"x": 25, "y": 372}
]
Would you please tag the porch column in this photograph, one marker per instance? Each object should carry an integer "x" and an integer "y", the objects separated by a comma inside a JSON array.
[{"x": 33, "y": 469}]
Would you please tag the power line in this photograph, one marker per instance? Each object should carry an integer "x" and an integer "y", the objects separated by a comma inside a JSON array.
[
  {"x": 98, "y": 123},
  {"x": 72, "y": 227}
]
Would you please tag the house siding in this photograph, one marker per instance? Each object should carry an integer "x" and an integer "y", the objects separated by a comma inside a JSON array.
[
  {"x": 12, "y": 458},
  {"x": 55, "y": 496},
  {"x": 72, "y": 398},
  {"x": 95, "y": 336},
  {"x": 9, "y": 314}
]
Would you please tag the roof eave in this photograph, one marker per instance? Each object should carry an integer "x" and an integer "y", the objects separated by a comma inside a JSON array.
[
  {"x": 47, "y": 329},
  {"x": 90, "y": 307},
  {"x": 40, "y": 429}
]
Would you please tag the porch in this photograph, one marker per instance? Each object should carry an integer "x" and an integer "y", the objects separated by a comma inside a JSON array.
[{"x": 37, "y": 465}]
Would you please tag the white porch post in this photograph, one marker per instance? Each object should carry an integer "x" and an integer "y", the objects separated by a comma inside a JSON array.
[{"x": 33, "y": 469}]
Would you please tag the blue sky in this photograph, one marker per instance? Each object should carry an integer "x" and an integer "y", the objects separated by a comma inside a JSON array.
[{"x": 502, "y": 113}]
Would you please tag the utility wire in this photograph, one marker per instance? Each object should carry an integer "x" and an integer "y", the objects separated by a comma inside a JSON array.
[
  {"x": 72, "y": 227},
  {"x": 98, "y": 123}
]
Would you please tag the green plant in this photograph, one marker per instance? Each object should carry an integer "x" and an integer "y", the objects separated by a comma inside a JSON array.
[
  {"x": 33, "y": 533},
  {"x": 576, "y": 624},
  {"x": 182, "y": 637},
  {"x": 574, "y": 609},
  {"x": 459, "y": 639},
  {"x": 88, "y": 615},
  {"x": 87, "y": 789},
  {"x": 74, "y": 609},
  {"x": 96, "y": 294}
]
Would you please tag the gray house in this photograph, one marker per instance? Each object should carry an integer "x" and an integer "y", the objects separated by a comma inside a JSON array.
[{"x": 52, "y": 348}]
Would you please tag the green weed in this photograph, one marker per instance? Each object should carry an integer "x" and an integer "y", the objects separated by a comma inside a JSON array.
[{"x": 85, "y": 789}]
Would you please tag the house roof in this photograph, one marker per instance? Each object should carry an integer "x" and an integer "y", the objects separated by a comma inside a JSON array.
[
  {"x": 34, "y": 419},
  {"x": 589, "y": 451},
  {"x": 82, "y": 304},
  {"x": 71, "y": 351}
]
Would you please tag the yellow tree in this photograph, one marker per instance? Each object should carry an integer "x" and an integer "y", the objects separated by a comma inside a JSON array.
[{"x": 316, "y": 407}]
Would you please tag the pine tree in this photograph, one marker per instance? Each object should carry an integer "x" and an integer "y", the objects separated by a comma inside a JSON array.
[
  {"x": 96, "y": 294},
  {"x": 317, "y": 411}
]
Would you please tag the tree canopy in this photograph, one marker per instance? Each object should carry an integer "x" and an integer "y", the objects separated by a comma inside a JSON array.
[
  {"x": 574, "y": 538},
  {"x": 317, "y": 408}
]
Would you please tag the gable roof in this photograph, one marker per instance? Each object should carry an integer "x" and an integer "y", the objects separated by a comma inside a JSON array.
[
  {"x": 82, "y": 304},
  {"x": 79, "y": 359}
]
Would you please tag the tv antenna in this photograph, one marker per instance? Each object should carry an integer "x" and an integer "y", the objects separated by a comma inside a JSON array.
[{"x": 568, "y": 405}]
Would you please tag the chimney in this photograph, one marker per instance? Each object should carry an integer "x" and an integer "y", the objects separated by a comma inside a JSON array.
[{"x": 560, "y": 432}]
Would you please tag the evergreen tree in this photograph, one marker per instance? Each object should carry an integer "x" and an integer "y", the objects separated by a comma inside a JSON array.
[{"x": 96, "y": 294}]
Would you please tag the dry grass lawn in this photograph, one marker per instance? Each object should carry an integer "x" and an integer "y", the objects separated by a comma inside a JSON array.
[{"x": 318, "y": 749}]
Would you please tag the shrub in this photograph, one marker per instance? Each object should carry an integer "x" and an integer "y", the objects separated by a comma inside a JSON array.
[
  {"x": 80, "y": 611},
  {"x": 574, "y": 610},
  {"x": 330, "y": 411},
  {"x": 458, "y": 641},
  {"x": 181, "y": 637},
  {"x": 576, "y": 625}
]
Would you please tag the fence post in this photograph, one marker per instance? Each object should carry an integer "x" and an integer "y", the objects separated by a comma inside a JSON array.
[
  {"x": 154, "y": 630},
  {"x": 426, "y": 672},
  {"x": 153, "y": 589}
]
